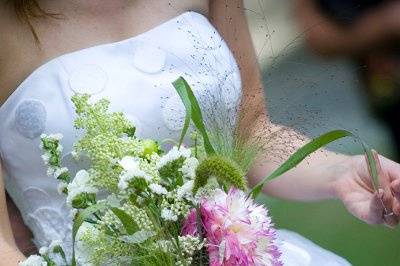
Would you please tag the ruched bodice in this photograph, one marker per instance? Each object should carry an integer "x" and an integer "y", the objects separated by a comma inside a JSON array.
[{"x": 136, "y": 76}]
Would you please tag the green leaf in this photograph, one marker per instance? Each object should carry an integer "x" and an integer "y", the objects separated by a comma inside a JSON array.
[
  {"x": 59, "y": 250},
  {"x": 372, "y": 165},
  {"x": 193, "y": 111},
  {"x": 129, "y": 224},
  {"x": 80, "y": 218},
  {"x": 181, "y": 90},
  {"x": 311, "y": 147},
  {"x": 138, "y": 237}
]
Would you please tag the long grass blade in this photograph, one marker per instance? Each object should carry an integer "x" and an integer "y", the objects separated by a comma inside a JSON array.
[
  {"x": 193, "y": 111},
  {"x": 81, "y": 217},
  {"x": 182, "y": 91},
  {"x": 127, "y": 221},
  {"x": 311, "y": 147}
]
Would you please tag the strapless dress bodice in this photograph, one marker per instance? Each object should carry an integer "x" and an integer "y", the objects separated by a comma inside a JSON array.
[{"x": 136, "y": 76}]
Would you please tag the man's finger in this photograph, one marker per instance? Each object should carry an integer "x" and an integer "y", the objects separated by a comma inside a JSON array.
[
  {"x": 395, "y": 188},
  {"x": 391, "y": 220},
  {"x": 376, "y": 208},
  {"x": 389, "y": 217},
  {"x": 396, "y": 207}
]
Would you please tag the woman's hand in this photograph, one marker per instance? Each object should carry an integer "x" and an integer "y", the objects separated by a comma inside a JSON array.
[{"x": 355, "y": 189}]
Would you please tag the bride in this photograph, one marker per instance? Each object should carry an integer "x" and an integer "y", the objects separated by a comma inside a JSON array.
[{"x": 44, "y": 59}]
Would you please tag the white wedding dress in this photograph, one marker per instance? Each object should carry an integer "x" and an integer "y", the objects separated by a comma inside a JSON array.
[{"x": 135, "y": 75}]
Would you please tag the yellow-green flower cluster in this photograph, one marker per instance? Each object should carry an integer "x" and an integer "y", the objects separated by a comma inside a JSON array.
[{"x": 108, "y": 137}]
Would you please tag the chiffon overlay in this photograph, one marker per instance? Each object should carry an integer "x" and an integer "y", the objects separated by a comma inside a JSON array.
[{"x": 135, "y": 75}]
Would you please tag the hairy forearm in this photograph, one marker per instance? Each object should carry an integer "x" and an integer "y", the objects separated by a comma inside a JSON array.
[{"x": 313, "y": 179}]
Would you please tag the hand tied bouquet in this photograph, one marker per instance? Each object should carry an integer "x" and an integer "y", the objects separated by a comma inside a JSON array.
[{"x": 139, "y": 204}]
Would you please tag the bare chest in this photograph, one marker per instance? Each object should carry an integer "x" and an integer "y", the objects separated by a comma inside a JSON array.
[{"x": 80, "y": 24}]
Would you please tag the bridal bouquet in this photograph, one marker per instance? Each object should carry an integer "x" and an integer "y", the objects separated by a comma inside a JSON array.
[{"x": 140, "y": 204}]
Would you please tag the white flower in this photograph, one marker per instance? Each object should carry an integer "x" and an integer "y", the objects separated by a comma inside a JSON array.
[
  {"x": 60, "y": 171},
  {"x": 113, "y": 201},
  {"x": 75, "y": 155},
  {"x": 51, "y": 170},
  {"x": 34, "y": 260},
  {"x": 58, "y": 136},
  {"x": 185, "y": 190},
  {"x": 43, "y": 251},
  {"x": 158, "y": 189},
  {"x": 52, "y": 136},
  {"x": 60, "y": 148},
  {"x": 188, "y": 168},
  {"x": 80, "y": 184},
  {"x": 173, "y": 155},
  {"x": 46, "y": 158},
  {"x": 72, "y": 213},
  {"x": 61, "y": 187},
  {"x": 131, "y": 166},
  {"x": 168, "y": 215},
  {"x": 139, "y": 200}
]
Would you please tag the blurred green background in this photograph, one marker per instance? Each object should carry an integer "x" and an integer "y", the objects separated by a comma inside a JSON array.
[{"x": 313, "y": 96}]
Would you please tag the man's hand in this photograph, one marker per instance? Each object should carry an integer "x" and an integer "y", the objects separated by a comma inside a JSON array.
[{"x": 355, "y": 189}]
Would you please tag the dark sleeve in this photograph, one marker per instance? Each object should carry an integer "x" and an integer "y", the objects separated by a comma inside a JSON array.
[{"x": 346, "y": 11}]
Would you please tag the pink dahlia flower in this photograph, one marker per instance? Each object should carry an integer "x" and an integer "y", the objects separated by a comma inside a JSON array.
[{"x": 238, "y": 231}]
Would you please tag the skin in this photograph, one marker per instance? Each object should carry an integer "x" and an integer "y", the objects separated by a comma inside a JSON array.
[{"x": 87, "y": 23}]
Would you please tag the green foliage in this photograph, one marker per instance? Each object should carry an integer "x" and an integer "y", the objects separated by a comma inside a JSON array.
[
  {"x": 193, "y": 112},
  {"x": 84, "y": 200},
  {"x": 78, "y": 221},
  {"x": 234, "y": 147},
  {"x": 129, "y": 224},
  {"x": 50, "y": 146},
  {"x": 225, "y": 170},
  {"x": 171, "y": 173},
  {"x": 104, "y": 139}
]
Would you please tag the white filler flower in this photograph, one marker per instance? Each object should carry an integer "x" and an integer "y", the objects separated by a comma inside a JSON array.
[
  {"x": 168, "y": 215},
  {"x": 188, "y": 168},
  {"x": 173, "y": 155},
  {"x": 131, "y": 167},
  {"x": 185, "y": 191},
  {"x": 79, "y": 185},
  {"x": 34, "y": 260},
  {"x": 158, "y": 189}
]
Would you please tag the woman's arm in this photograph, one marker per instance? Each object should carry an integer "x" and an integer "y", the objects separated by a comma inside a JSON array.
[
  {"x": 324, "y": 174},
  {"x": 10, "y": 255},
  {"x": 231, "y": 23}
]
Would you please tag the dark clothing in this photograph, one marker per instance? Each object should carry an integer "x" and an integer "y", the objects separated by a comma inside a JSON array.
[{"x": 346, "y": 11}]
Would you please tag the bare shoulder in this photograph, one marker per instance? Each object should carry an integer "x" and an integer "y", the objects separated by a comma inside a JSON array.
[
  {"x": 10, "y": 41},
  {"x": 4, "y": 23},
  {"x": 5, "y": 38},
  {"x": 199, "y": 6}
]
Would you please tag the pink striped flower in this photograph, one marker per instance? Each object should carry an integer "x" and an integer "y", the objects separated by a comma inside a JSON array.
[{"x": 238, "y": 231}]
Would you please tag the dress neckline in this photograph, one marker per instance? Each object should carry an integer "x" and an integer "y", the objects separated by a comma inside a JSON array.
[{"x": 138, "y": 36}]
